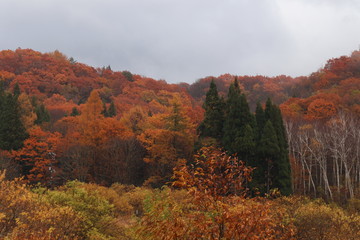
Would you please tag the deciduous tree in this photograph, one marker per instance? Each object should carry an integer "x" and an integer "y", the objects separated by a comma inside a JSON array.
[{"x": 38, "y": 156}]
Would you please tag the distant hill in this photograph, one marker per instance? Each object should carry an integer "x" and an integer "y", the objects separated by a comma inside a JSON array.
[
  {"x": 104, "y": 126},
  {"x": 337, "y": 83},
  {"x": 62, "y": 83}
]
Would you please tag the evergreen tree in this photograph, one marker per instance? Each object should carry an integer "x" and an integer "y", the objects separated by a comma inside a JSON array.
[
  {"x": 16, "y": 90},
  {"x": 72, "y": 60},
  {"x": 246, "y": 116},
  {"x": 112, "y": 110},
  {"x": 12, "y": 131},
  {"x": 244, "y": 145},
  {"x": 33, "y": 101},
  {"x": 269, "y": 153},
  {"x": 260, "y": 164},
  {"x": 104, "y": 112},
  {"x": 212, "y": 125},
  {"x": 269, "y": 110},
  {"x": 128, "y": 75},
  {"x": 2, "y": 87},
  {"x": 282, "y": 179},
  {"x": 42, "y": 114},
  {"x": 259, "y": 140},
  {"x": 282, "y": 169},
  {"x": 272, "y": 157},
  {"x": 260, "y": 120},
  {"x": 74, "y": 112},
  {"x": 239, "y": 122},
  {"x": 232, "y": 122}
]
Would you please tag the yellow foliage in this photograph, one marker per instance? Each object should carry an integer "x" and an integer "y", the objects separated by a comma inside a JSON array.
[
  {"x": 317, "y": 220},
  {"x": 134, "y": 118},
  {"x": 24, "y": 216},
  {"x": 314, "y": 219},
  {"x": 93, "y": 108},
  {"x": 94, "y": 128},
  {"x": 179, "y": 215},
  {"x": 89, "y": 211},
  {"x": 27, "y": 113},
  {"x": 120, "y": 204},
  {"x": 48, "y": 222}
]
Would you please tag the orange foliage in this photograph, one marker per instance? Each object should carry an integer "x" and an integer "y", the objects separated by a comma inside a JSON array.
[
  {"x": 271, "y": 87},
  {"x": 57, "y": 101},
  {"x": 320, "y": 109},
  {"x": 94, "y": 128},
  {"x": 338, "y": 66},
  {"x": 134, "y": 119},
  {"x": 214, "y": 173},
  {"x": 214, "y": 206},
  {"x": 167, "y": 138},
  {"x": 27, "y": 113},
  {"x": 323, "y": 81},
  {"x": 62, "y": 83},
  {"x": 24, "y": 216},
  {"x": 38, "y": 155},
  {"x": 6, "y": 77},
  {"x": 291, "y": 109}
]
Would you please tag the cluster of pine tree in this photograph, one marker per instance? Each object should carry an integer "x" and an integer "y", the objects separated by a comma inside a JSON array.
[
  {"x": 258, "y": 139},
  {"x": 111, "y": 112},
  {"x": 12, "y": 131}
]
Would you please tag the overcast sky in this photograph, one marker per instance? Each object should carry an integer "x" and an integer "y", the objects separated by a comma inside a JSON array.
[{"x": 184, "y": 40}]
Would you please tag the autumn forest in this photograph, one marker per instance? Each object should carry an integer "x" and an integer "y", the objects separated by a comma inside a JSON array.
[{"x": 92, "y": 153}]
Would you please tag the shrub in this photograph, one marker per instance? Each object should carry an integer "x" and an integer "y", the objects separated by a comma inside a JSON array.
[
  {"x": 97, "y": 212},
  {"x": 319, "y": 221},
  {"x": 177, "y": 214},
  {"x": 23, "y": 215}
]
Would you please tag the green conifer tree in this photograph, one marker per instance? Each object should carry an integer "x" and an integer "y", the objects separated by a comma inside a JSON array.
[
  {"x": 212, "y": 125},
  {"x": 282, "y": 179},
  {"x": 112, "y": 110},
  {"x": 128, "y": 75},
  {"x": 244, "y": 144},
  {"x": 238, "y": 123},
  {"x": 269, "y": 153},
  {"x": 282, "y": 169},
  {"x": 16, "y": 90},
  {"x": 260, "y": 120},
  {"x": 104, "y": 112},
  {"x": 74, "y": 112},
  {"x": 246, "y": 116},
  {"x": 42, "y": 114},
  {"x": 232, "y": 124},
  {"x": 12, "y": 131}
]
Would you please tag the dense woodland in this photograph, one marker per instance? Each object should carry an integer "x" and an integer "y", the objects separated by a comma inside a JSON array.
[{"x": 91, "y": 153}]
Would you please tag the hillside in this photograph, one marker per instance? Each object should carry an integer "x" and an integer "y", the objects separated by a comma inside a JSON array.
[
  {"x": 137, "y": 111},
  {"x": 103, "y": 154},
  {"x": 62, "y": 83},
  {"x": 337, "y": 82},
  {"x": 130, "y": 112},
  {"x": 321, "y": 117}
]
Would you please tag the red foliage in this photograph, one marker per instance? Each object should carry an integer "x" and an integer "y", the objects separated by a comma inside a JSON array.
[
  {"x": 39, "y": 155},
  {"x": 62, "y": 84},
  {"x": 320, "y": 109}
]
